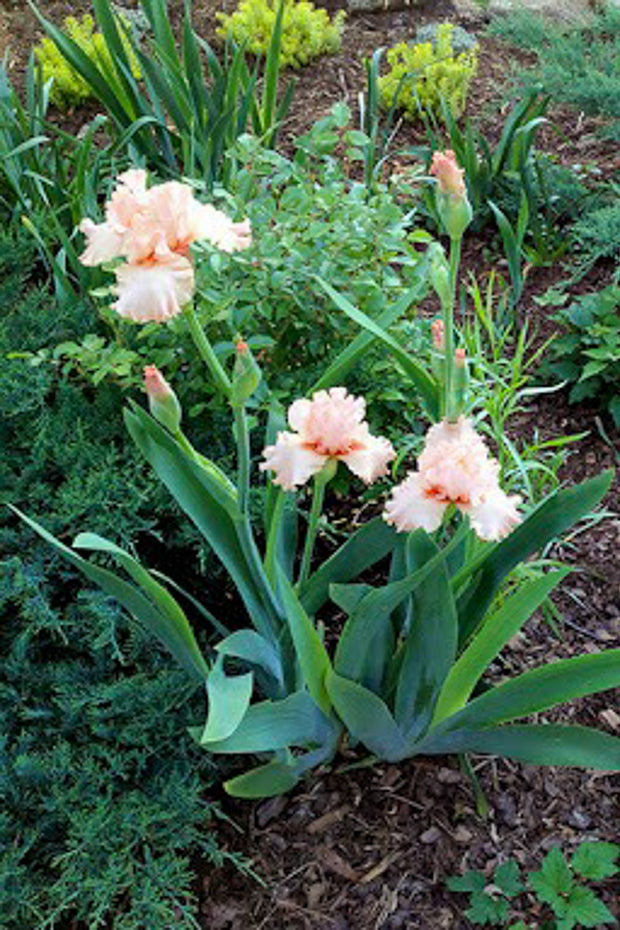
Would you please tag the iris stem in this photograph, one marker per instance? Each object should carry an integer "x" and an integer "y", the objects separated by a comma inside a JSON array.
[
  {"x": 243, "y": 458},
  {"x": 448, "y": 323},
  {"x": 318, "y": 495},
  {"x": 205, "y": 349}
]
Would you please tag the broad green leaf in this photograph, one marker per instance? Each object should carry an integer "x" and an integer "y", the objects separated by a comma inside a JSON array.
[
  {"x": 537, "y": 744},
  {"x": 498, "y": 629},
  {"x": 430, "y": 646},
  {"x": 550, "y": 519},
  {"x": 311, "y": 653},
  {"x": 272, "y": 725},
  {"x": 367, "y": 546},
  {"x": 348, "y": 596},
  {"x": 346, "y": 359},
  {"x": 162, "y": 599},
  {"x": 210, "y": 504},
  {"x": 596, "y": 860},
  {"x": 254, "y": 648},
  {"x": 539, "y": 690},
  {"x": 371, "y": 619},
  {"x": 229, "y": 698},
  {"x": 265, "y": 781},
  {"x": 424, "y": 383},
  {"x": 133, "y": 601},
  {"x": 367, "y": 718}
]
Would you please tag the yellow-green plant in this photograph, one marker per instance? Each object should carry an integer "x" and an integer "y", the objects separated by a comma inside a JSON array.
[
  {"x": 307, "y": 32},
  {"x": 69, "y": 87},
  {"x": 423, "y": 75}
]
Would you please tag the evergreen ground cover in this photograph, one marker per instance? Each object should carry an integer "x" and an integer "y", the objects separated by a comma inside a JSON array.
[{"x": 104, "y": 800}]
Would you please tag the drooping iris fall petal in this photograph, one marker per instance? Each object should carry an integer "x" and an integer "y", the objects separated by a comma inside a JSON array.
[
  {"x": 153, "y": 292},
  {"x": 330, "y": 426},
  {"x": 455, "y": 467}
]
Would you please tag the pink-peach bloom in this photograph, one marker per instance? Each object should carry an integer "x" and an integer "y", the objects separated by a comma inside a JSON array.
[
  {"x": 155, "y": 384},
  {"x": 449, "y": 176},
  {"x": 455, "y": 467},
  {"x": 105, "y": 241},
  {"x": 330, "y": 426},
  {"x": 153, "y": 291},
  {"x": 142, "y": 224}
]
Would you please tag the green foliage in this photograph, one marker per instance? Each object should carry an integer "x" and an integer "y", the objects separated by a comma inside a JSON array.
[
  {"x": 308, "y": 219},
  {"x": 489, "y": 903},
  {"x": 307, "y": 32},
  {"x": 577, "y": 62},
  {"x": 190, "y": 106},
  {"x": 48, "y": 178},
  {"x": 425, "y": 75},
  {"x": 100, "y": 789},
  {"x": 597, "y": 236},
  {"x": 556, "y": 884},
  {"x": 587, "y": 354},
  {"x": 573, "y": 904},
  {"x": 69, "y": 87}
]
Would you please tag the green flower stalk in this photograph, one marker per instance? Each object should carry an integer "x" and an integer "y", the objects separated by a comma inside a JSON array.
[{"x": 456, "y": 214}]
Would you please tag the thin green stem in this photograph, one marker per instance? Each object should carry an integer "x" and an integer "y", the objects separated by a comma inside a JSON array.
[
  {"x": 205, "y": 349},
  {"x": 448, "y": 323},
  {"x": 243, "y": 458},
  {"x": 313, "y": 527}
]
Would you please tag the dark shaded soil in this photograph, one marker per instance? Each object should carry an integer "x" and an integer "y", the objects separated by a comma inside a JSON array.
[{"x": 371, "y": 848}]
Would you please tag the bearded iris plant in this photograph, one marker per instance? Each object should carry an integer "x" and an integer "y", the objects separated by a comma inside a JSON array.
[{"x": 401, "y": 679}]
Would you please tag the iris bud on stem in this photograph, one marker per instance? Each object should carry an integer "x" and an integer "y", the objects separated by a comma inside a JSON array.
[
  {"x": 163, "y": 402},
  {"x": 246, "y": 374}
]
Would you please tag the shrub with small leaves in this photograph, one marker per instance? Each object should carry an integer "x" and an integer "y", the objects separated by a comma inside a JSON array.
[
  {"x": 587, "y": 354},
  {"x": 307, "y": 32},
  {"x": 69, "y": 87},
  {"x": 424, "y": 74}
]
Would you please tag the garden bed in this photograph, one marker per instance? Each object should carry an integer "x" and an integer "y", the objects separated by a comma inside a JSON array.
[{"x": 371, "y": 847}]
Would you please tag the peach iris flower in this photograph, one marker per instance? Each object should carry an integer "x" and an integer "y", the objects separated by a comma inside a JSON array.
[
  {"x": 449, "y": 176},
  {"x": 330, "y": 426},
  {"x": 152, "y": 229},
  {"x": 454, "y": 468}
]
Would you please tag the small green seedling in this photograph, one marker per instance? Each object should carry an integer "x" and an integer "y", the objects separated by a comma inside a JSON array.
[{"x": 559, "y": 884}]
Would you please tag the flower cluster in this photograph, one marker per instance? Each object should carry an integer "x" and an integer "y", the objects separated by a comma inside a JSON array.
[
  {"x": 152, "y": 230},
  {"x": 454, "y": 468}
]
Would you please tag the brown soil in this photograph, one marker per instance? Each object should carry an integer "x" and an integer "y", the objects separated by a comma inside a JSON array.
[{"x": 371, "y": 848}]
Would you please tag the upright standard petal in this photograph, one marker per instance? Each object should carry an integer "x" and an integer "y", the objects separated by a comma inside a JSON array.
[
  {"x": 292, "y": 460},
  {"x": 154, "y": 292},
  {"x": 206, "y": 222},
  {"x": 103, "y": 243},
  {"x": 411, "y": 507}
]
